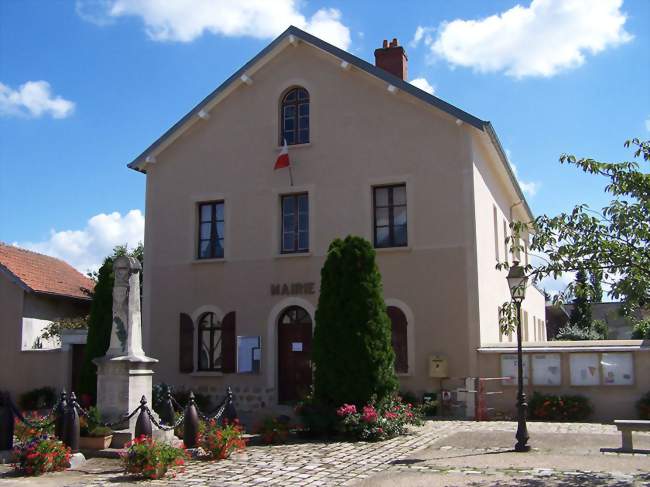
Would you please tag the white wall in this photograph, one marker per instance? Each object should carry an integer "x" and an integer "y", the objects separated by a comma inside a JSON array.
[
  {"x": 32, "y": 329},
  {"x": 493, "y": 195}
]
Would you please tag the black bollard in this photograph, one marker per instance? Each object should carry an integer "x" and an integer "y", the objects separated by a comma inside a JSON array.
[
  {"x": 6, "y": 423},
  {"x": 60, "y": 416},
  {"x": 191, "y": 424},
  {"x": 143, "y": 423},
  {"x": 229, "y": 413},
  {"x": 71, "y": 424},
  {"x": 167, "y": 410}
]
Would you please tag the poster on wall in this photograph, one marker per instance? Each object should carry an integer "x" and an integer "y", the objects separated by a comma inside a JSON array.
[
  {"x": 509, "y": 369},
  {"x": 618, "y": 368},
  {"x": 547, "y": 369},
  {"x": 585, "y": 369}
]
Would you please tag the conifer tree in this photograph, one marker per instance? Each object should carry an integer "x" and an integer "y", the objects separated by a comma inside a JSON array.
[
  {"x": 352, "y": 351},
  {"x": 581, "y": 312}
]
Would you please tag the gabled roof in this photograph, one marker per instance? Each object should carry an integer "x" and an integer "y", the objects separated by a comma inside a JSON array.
[
  {"x": 43, "y": 274},
  {"x": 290, "y": 35}
]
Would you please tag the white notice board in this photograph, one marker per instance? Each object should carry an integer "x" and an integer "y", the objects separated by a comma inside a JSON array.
[
  {"x": 585, "y": 369},
  {"x": 618, "y": 368},
  {"x": 509, "y": 369},
  {"x": 547, "y": 369}
]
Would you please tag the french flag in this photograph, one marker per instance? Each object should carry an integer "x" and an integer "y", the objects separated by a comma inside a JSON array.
[{"x": 283, "y": 158}]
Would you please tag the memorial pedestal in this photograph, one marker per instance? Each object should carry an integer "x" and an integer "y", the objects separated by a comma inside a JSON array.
[{"x": 121, "y": 383}]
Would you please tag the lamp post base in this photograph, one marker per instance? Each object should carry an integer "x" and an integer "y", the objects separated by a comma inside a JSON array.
[{"x": 522, "y": 448}]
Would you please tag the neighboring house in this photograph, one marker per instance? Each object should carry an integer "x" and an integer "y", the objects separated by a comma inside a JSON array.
[
  {"x": 34, "y": 290},
  {"x": 234, "y": 250},
  {"x": 618, "y": 327}
]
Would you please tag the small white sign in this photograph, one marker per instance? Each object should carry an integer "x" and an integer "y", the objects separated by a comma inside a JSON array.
[{"x": 296, "y": 346}]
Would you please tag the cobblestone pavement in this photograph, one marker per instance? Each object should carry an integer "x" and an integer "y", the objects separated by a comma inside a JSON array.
[{"x": 412, "y": 460}]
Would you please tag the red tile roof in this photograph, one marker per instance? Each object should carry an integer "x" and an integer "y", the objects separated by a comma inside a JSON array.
[{"x": 44, "y": 274}]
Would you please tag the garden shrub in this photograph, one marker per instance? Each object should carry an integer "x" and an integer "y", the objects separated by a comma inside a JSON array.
[
  {"x": 40, "y": 398},
  {"x": 152, "y": 459},
  {"x": 641, "y": 330},
  {"x": 26, "y": 433},
  {"x": 643, "y": 406},
  {"x": 222, "y": 441},
  {"x": 352, "y": 352},
  {"x": 41, "y": 454},
  {"x": 550, "y": 407},
  {"x": 273, "y": 430},
  {"x": 91, "y": 424},
  {"x": 375, "y": 422}
]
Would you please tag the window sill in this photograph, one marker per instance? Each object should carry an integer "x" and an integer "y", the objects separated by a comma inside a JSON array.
[
  {"x": 41, "y": 350},
  {"x": 294, "y": 146},
  {"x": 381, "y": 250},
  {"x": 292, "y": 254},
  {"x": 219, "y": 260},
  {"x": 206, "y": 373}
]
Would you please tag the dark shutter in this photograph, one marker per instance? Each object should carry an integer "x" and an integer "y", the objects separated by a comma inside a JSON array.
[
  {"x": 399, "y": 335},
  {"x": 186, "y": 344},
  {"x": 228, "y": 344}
]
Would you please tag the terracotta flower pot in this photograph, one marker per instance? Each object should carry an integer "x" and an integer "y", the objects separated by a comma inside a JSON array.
[{"x": 95, "y": 442}]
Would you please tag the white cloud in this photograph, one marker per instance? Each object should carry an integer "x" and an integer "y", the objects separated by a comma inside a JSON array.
[
  {"x": 422, "y": 34},
  {"x": 86, "y": 249},
  {"x": 33, "y": 99},
  {"x": 423, "y": 84},
  {"x": 543, "y": 39},
  {"x": 529, "y": 188},
  {"x": 185, "y": 20}
]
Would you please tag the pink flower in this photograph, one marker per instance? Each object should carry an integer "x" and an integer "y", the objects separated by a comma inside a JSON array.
[
  {"x": 369, "y": 414},
  {"x": 346, "y": 410},
  {"x": 390, "y": 415}
]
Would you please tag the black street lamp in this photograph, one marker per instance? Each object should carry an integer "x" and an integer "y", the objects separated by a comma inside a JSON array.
[{"x": 517, "y": 281}]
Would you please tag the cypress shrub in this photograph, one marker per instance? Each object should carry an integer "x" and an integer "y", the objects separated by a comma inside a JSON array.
[
  {"x": 99, "y": 327},
  {"x": 352, "y": 351}
]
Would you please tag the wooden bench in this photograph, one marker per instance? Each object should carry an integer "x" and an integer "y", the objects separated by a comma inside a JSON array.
[{"x": 626, "y": 427}]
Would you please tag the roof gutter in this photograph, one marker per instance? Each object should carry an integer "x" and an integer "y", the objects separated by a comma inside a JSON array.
[{"x": 489, "y": 129}]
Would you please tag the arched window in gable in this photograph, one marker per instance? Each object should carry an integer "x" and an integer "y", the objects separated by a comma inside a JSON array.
[{"x": 294, "y": 117}]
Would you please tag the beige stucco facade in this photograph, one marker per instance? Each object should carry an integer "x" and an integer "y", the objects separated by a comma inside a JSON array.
[{"x": 361, "y": 135}]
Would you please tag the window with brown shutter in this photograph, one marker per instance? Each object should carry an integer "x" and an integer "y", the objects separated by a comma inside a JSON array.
[
  {"x": 229, "y": 344},
  {"x": 399, "y": 339},
  {"x": 186, "y": 344}
]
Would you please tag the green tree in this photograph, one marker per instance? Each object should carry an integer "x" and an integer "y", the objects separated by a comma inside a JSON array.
[
  {"x": 595, "y": 279},
  {"x": 101, "y": 318},
  {"x": 581, "y": 312},
  {"x": 614, "y": 240},
  {"x": 352, "y": 352}
]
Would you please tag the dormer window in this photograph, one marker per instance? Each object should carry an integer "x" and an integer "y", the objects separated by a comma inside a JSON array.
[{"x": 295, "y": 117}]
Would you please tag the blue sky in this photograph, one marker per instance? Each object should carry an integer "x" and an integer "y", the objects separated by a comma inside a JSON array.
[{"x": 86, "y": 86}]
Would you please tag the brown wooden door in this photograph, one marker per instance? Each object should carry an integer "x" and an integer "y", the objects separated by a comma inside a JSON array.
[
  {"x": 294, "y": 354},
  {"x": 78, "y": 357}
]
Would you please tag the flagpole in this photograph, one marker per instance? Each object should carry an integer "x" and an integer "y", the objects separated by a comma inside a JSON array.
[{"x": 290, "y": 176}]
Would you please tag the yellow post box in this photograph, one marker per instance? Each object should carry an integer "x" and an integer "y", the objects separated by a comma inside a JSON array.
[{"x": 438, "y": 366}]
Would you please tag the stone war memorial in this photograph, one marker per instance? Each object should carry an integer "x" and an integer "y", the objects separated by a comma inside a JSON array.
[{"x": 124, "y": 374}]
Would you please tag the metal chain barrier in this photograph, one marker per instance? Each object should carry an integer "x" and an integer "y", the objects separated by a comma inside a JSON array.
[
  {"x": 216, "y": 416},
  {"x": 163, "y": 427},
  {"x": 82, "y": 412},
  {"x": 39, "y": 425}
]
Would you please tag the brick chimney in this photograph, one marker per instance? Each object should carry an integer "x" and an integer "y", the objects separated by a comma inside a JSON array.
[{"x": 392, "y": 58}]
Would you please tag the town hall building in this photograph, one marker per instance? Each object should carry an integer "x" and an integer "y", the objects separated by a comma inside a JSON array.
[{"x": 234, "y": 248}]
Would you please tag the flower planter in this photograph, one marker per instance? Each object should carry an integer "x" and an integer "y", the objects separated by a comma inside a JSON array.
[{"x": 95, "y": 442}]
